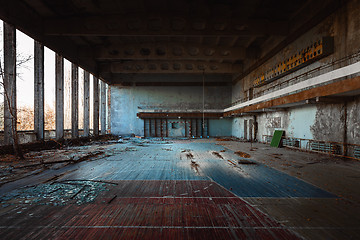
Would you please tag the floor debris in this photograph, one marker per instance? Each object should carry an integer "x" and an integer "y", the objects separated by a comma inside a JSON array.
[
  {"x": 242, "y": 154},
  {"x": 223, "y": 139},
  {"x": 112, "y": 199},
  {"x": 195, "y": 167},
  {"x": 58, "y": 193},
  {"x": 167, "y": 149},
  {"x": 128, "y": 149},
  {"x": 217, "y": 155},
  {"x": 12, "y": 169},
  {"x": 244, "y": 161},
  {"x": 189, "y": 156}
]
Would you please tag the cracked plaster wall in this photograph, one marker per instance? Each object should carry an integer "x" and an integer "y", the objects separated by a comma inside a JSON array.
[{"x": 324, "y": 122}]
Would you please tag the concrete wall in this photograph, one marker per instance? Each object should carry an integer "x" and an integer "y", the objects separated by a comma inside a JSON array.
[
  {"x": 328, "y": 122},
  {"x": 324, "y": 122},
  {"x": 353, "y": 122},
  {"x": 220, "y": 127},
  {"x": 127, "y": 101}
]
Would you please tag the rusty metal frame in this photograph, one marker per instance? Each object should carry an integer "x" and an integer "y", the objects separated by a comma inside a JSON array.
[
  {"x": 181, "y": 115},
  {"x": 185, "y": 128},
  {"x": 161, "y": 127},
  {"x": 150, "y": 130},
  {"x": 167, "y": 130},
  {"x": 190, "y": 128},
  {"x": 196, "y": 128},
  {"x": 207, "y": 127},
  {"x": 156, "y": 132},
  {"x": 144, "y": 127},
  {"x": 202, "y": 127}
]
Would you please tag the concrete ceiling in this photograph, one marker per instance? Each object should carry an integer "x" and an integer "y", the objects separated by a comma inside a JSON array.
[{"x": 111, "y": 38}]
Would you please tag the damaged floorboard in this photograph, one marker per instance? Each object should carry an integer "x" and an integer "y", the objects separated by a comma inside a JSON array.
[
  {"x": 141, "y": 211},
  {"x": 173, "y": 189}
]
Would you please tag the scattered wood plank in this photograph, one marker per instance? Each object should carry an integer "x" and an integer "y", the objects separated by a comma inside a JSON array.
[
  {"x": 71, "y": 160},
  {"x": 85, "y": 180},
  {"x": 73, "y": 196}
]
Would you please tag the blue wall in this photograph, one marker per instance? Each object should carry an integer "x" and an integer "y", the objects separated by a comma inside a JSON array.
[
  {"x": 127, "y": 101},
  {"x": 220, "y": 127}
]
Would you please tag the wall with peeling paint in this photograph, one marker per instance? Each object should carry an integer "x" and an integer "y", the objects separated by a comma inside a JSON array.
[
  {"x": 329, "y": 122},
  {"x": 324, "y": 122},
  {"x": 126, "y": 102},
  {"x": 296, "y": 123},
  {"x": 337, "y": 122},
  {"x": 353, "y": 121},
  {"x": 237, "y": 128}
]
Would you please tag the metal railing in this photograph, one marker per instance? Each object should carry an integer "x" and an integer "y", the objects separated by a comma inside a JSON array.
[
  {"x": 350, "y": 59},
  {"x": 339, "y": 149}
]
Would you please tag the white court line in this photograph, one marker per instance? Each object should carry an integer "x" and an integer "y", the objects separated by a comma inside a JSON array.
[{"x": 171, "y": 227}]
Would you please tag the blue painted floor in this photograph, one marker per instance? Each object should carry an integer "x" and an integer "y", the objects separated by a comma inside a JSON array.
[{"x": 185, "y": 160}]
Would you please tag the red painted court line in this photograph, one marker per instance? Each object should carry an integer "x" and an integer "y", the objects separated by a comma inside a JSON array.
[{"x": 142, "y": 212}]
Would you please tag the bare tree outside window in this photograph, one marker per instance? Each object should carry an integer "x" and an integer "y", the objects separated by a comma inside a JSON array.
[{"x": 20, "y": 61}]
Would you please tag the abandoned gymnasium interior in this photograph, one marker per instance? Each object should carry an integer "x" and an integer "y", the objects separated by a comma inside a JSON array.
[{"x": 202, "y": 119}]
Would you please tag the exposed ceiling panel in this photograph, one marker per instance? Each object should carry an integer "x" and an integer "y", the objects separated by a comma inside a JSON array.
[{"x": 111, "y": 37}]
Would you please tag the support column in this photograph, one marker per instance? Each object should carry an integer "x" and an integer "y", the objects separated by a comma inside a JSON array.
[
  {"x": 10, "y": 109},
  {"x": 59, "y": 96},
  {"x": 96, "y": 107},
  {"x": 103, "y": 107},
  {"x": 109, "y": 109},
  {"x": 39, "y": 121},
  {"x": 74, "y": 101},
  {"x": 86, "y": 103}
]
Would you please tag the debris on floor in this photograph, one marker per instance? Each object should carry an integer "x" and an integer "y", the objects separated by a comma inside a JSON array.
[
  {"x": 189, "y": 155},
  {"x": 242, "y": 154},
  {"x": 223, "y": 139},
  {"x": 55, "y": 193},
  {"x": 166, "y": 149},
  {"x": 128, "y": 149},
  {"x": 12, "y": 169},
  {"x": 217, "y": 155},
  {"x": 245, "y": 161},
  {"x": 195, "y": 167}
]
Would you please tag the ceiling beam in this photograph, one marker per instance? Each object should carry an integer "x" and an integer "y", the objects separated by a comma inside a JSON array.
[
  {"x": 164, "y": 50},
  {"x": 168, "y": 67},
  {"x": 139, "y": 25},
  {"x": 68, "y": 50},
  {"x": 30, "y": 23}
]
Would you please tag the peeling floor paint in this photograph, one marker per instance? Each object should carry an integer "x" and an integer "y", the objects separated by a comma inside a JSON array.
[{"x": 145, "y": 188}]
